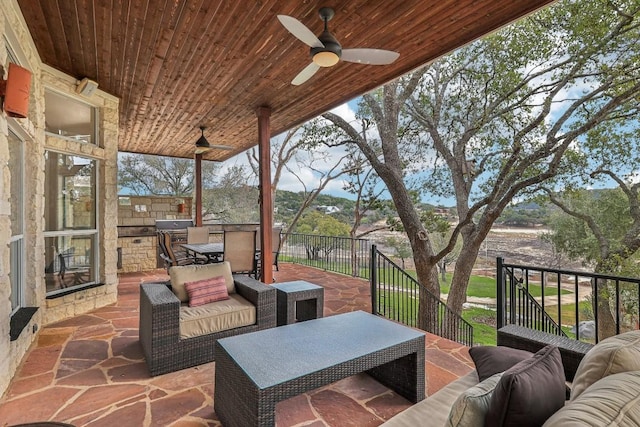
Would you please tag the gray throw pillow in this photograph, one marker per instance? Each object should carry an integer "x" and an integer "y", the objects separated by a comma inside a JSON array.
[
  {"x": 472, "y": 405},
  {"x": 490, "y": 360},
  {"x": 529, "y": 392}
]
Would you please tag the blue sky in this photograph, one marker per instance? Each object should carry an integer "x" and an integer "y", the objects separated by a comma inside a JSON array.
[{"x": 290, "y": 182}]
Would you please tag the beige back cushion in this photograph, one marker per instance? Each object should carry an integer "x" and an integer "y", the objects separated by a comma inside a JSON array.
[
  {"x": 611, "y": 401},
  {"x": 620, "y": 353},
  {"x": 190, "y": 273}
]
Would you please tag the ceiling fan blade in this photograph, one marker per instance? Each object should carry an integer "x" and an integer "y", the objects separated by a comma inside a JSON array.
[
  {"x": 222, "y": 147},
  {"x": 369, "y": 56},
  {"x": 305, "y": 74},
  {"x": 300, "y": 30}
]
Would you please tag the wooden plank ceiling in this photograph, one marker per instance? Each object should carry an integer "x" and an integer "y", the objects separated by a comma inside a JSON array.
[{"x": 179, "y": 64}]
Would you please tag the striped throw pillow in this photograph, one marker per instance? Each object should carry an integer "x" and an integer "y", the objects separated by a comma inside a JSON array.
[{"x": 207, "y": 290}]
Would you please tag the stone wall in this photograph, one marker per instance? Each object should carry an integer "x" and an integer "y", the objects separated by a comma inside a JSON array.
[
  {"x": 145, "y": 210},
  {"x": 139, "y": 253},
  {"x": 15, "y": 36}
]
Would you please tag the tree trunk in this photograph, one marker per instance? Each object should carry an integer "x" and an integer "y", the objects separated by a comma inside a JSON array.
[
  {"x": 461, "y": 275},
  {"x": 606, "y": 325},
  {"x": 428, "y": 308}
]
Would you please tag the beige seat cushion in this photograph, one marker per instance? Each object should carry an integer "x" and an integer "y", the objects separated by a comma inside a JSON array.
[
  {"x": 620, "y": 353},
  {"x": 434, "y": 410},
  {"x": 217, "y": 316},
  {"x": 611, "y": 401},
  {"x": 190, "y": 273}
]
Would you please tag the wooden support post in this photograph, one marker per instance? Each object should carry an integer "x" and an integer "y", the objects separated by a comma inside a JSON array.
[
  {"x": 198, "y": 182},
  {"x": 265, "y": 200}
]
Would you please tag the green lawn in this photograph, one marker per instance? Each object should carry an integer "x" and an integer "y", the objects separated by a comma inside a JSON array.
[
  {"x": 568, "y": 312},
  {"x": 483, "y": 322},
  {"x": 485, "y": 287}
]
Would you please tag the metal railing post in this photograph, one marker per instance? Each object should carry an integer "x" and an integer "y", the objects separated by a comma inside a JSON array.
[
  {"x": 373, "y": 279},
  {"x": 500, "y": 295}
]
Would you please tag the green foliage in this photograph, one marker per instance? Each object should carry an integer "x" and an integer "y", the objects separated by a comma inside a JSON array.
[
  {"x": 314, "y": 222},
  {"x": 524, "y": 215},
  {"x": 147, "y": 174},
  {"x": 233, "y": 199},
  {"x": 288, "y": 203},
  {"x": 401, "y": 247},
  {"x": 433, "y": 222},
  {"x": 571, "y": 234}
]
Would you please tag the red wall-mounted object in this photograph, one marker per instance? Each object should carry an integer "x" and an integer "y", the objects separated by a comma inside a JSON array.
[{"x": 16, "y": 91}]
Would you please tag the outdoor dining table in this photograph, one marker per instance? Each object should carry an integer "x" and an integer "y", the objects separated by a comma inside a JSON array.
[{"x": 213, "y": 251}]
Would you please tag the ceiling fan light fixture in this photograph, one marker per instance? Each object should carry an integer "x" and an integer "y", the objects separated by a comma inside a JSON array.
[
  {"x": 202, "y": 145},
  {"x": 325, "y": 59},
  {"x": 326, "y": 50}
]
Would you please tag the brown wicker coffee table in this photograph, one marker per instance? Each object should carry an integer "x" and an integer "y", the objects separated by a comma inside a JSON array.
[{"x": 254, "y": 371}]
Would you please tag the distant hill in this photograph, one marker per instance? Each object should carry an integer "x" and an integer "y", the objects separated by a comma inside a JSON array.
[{"x": 288, "y": 202}]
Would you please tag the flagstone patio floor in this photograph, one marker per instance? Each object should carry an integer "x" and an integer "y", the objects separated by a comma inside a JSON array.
[{"x": 89, "y": 371}]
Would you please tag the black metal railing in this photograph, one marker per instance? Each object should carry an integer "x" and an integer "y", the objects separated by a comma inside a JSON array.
[
  {"x": 337, "y": 254},
  {"x": 585, "y": 306},
  {"x": 535, "y": 317},
  {"x": 396, "y": 295}
]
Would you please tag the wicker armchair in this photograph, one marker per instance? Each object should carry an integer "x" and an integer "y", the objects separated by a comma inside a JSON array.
[{"x": 162, "y": 346}]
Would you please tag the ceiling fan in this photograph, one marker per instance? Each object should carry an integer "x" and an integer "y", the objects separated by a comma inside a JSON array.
[
  {"x": 326, "y": 50},
  {"x": 202, "y": 145}
]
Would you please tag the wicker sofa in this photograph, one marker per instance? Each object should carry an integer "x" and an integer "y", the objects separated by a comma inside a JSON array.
[
  {"x": 162, "y": 316},
  {"x": 605, "y": 388}
]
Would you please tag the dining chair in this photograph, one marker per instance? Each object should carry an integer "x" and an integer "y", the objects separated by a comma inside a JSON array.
[
  {"x": 168, "y": 254},
  {"x": 276, "y": 242},
  {"x": 240, "y": 251},
  {"x": 197, "y": 235}
]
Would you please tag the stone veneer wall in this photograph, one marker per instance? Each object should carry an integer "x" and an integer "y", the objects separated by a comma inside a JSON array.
[
  {"x": 13, "y": 30},
  {"x": 139, "y": 253},
  {"x": 155, "y": 207}
]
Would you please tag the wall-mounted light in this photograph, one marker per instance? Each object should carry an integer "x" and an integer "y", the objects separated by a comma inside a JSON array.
[
  {"x": 86, "y": 87},
  {"x": 15, "y": 91}
]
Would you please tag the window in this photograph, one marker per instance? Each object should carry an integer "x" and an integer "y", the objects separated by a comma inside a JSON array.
[
  {"x": 69, "y": 118},
  {"x": 70, "y": 222},
  {"x": 16, "y": 243}
]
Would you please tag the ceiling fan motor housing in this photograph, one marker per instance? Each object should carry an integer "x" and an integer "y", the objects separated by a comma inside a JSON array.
[{"x": 330, "y": 45}]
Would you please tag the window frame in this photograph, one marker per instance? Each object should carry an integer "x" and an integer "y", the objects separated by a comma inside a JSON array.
[
  {"x": 94, "y": 113},
  {"x": 17, "y": 273},
  {"x": 93, "y": 233}
]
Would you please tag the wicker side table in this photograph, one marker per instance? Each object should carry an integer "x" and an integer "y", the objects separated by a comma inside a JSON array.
[{"x": 298, "y": 301}]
